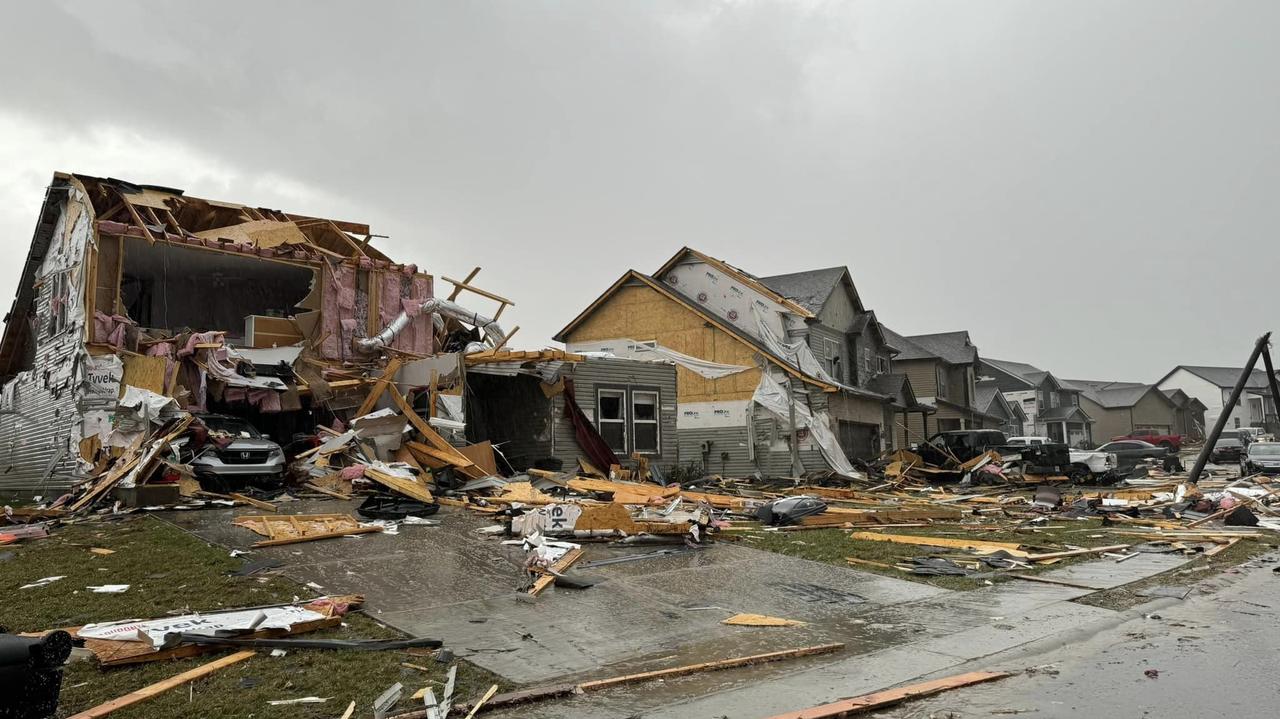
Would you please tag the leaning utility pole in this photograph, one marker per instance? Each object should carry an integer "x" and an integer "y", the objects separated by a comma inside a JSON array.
[{"x": 1260, "y": 348}]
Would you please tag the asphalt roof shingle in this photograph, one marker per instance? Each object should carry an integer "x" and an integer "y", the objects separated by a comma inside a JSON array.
[{"x": 810, "y": 289}]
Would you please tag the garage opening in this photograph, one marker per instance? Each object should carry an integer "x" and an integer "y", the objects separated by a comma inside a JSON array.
[{"x": 173, "y": 288}]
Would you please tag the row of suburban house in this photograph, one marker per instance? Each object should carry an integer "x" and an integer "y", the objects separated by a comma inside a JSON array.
[
  {"x": 698, "y": 362},
  {"x": 755, "y": 354}
]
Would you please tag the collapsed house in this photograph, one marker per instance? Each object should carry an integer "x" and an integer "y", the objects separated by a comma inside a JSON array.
[
  {"x": 776, "y": 375},
  {"x": 194, "y": 304}
]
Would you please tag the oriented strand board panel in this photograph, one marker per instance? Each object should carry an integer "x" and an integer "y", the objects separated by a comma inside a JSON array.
[
  {"x": 144, "y": 373},
  {"x": 641, "y": 313}
]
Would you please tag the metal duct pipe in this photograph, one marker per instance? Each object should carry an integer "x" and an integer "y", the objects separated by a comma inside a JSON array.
[{"x": 493, "y": 334}]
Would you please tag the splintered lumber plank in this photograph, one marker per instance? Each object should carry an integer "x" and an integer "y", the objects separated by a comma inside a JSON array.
[
  {"x": 979, "y": 544},
  {"x": 710, "y": 666},
  {"x": 1058, "y": 582},
  {"x": 886, "y": 515},
  {"x": 456, "y": 458},
  {"x": 404, "y": 486},
  {"x": 310, "y": 537},
  {"x": 317, "y": 488},
  {"x": 376, "y": 392},
  {"x": 1076, "y": 552},
  {"x": 560, "y": 565},
  {"x": 555, "y": 690},
  {"x": 158, "y": 688},
  {"x": 889, "y": 697},
  {"x": 487, "y": 696},
  {"x": 1222, "y": 547},
  {"x": 254, "y": 502}
]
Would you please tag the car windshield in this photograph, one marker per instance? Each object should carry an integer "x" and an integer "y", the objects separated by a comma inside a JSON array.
[
  {"x": 233, "y": 426},
  {"x": 1265, "y": 450},
  {"x": 1228, "y": 443}
]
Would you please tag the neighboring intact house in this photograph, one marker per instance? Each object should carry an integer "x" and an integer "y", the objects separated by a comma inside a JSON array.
[
  {"x": 1052, "y": 407},
  {"x": 753, "y": 356},
  {"x": 1189, "y": 415},
  {"x": 1119, "y": 408},
  {"x": 989, "y": 399},
  {"x": 942, "y": 369},
  {"x": 1212, "y": 387}
]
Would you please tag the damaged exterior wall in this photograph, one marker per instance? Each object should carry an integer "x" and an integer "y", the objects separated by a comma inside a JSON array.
[
  {"x": 70, "y": 306},
  {"x": 617, "y": 374},
  {"x": 39, "y": 425},
  {"x": 718, "y": 408}
]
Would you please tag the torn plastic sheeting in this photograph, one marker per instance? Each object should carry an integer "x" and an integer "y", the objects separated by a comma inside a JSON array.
[
  {"x": 631, "y": 349},
  {"x": 146, "y": 405},
  {"x": 774, "y": 397},
  {"x": 797, "y": 354},
  {"x": 155, "y": 631}
]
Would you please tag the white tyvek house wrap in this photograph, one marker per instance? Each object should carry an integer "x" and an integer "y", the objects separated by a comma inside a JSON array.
[
  {"x": 798, "y": 353},
  {"x": 632, "y": 349},
  {"x": 774, "y": 397},
  {"x": 726, "y": 297}
]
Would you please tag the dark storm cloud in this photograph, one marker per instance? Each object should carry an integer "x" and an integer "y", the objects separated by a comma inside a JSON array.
[{"x": 1069, "y": 181}]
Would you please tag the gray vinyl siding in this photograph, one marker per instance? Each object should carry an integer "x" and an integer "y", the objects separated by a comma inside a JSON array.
[
  {"x": 777, "y": 462},
  {"x": 819, "y": 336},
  {"x": 39, "y": 439},
  {"x": 733, "y": 440},
  {"x": 617, "y": 373}
]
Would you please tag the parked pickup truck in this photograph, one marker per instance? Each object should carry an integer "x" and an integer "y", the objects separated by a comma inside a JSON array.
[
  {"x": 965, "y": 444},
  {"x": 1171, "y": 442},
  {"x": 1084, "y": 463}
]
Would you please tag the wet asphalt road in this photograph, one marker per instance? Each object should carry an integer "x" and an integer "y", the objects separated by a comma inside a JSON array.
[{"x": 1215, "y": 654}]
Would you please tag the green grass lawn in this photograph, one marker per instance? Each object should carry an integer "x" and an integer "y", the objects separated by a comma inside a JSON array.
[
  {"x": 171, "y": 571},
  {"x": 834, "y": 545}
]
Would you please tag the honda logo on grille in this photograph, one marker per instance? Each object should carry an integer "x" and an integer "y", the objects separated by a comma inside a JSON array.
[{"x": 244, "y": 455}]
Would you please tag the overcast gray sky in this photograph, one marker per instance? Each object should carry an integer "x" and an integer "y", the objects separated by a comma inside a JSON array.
[{"x": 1086, "y": 186}]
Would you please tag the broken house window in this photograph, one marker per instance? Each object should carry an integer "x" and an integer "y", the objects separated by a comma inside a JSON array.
[
  {"x": 644, "y": 421},
  {"x": 883, "y": 364},
  {"x": 59, "y": 296},
  {"x": 170, "y": 287},
  {"x": 611, "y": 418}
]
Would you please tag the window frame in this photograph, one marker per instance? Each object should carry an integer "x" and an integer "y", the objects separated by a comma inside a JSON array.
[
  {"x": 628, "y": 421},
  {"x": 656, "y": 421},
  {"x": 601, "y": 391}
]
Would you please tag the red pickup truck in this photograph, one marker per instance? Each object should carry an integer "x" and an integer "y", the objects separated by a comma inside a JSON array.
[{"x": 1172, "y": 442}]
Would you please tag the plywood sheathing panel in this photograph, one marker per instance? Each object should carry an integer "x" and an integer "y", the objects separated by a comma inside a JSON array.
[
  {"x": 258, "y": 233},
  {"x": 641, "y": 313},
  {"x": 144, "y": 373}
]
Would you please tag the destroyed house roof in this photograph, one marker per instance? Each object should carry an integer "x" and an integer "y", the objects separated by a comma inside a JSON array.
[
  {"x": 810, "y": 288},
  {"x": 950, "y": 347},
  {"x": 163, "y": 213},
  {"x": 739, "y": 274},
  {"x": 632, "y": 276},
  {"x": 1224, "y": 377}
]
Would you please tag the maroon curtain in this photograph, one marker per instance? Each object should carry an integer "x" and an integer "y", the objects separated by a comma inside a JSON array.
[{"x": 596, "y": 449}]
